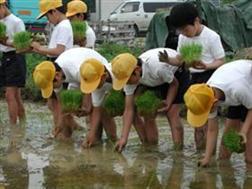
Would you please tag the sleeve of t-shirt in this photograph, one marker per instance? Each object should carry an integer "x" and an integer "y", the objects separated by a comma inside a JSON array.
[
  {"x": 129, "y": 89},
  {"x": 180, "y": 39},
  {"x": 216, "y": 47},
  {"x": 166, "y": 74},
  {"x": 20, "y": 26},
  {"x": 63, "y": 38},
  {"x": 90, "y": 36},
  {"x": 244, "y": 96},
  {"x": 99, "y": 94}
]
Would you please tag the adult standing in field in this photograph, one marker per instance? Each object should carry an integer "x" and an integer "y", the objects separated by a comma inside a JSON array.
[
  {"x": 166, "y": 81},
  {"x": 185, "y": 18},
  {"x": 13, "y": 65},
  {"x": 77, "y": 10},
  {"x": 61, "y": 40}
]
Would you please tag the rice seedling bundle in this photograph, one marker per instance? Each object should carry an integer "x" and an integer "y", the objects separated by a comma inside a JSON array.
[
  {"x": 79, "y": 30},
  {"x": 70, "y": 100},
  {"x": 233, "y": 141},
  {"x": 148, "y": 103},
  {"x": 191, "y": 52},
  {"x": 114, "y": 103},
  {"x": 2, "y": 30},
  {"x": 22, "y": 41}
]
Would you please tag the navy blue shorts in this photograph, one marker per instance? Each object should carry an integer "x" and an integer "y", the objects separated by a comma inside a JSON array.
[
  {"x": 237, "y": 112},
  {"x": 12, "y": 70}
]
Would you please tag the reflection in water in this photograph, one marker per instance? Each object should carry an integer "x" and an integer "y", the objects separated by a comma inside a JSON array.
[{"x": 30, "y": 159}]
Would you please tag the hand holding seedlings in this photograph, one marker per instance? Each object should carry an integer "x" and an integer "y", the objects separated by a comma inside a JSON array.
[{"x": 120, "y": 145}]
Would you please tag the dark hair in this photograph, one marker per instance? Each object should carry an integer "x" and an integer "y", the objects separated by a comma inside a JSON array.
[
  {"x": 183, "y": 14},
  {"x": 57, "y": 67},
  {"x": 139, "y": 62}
]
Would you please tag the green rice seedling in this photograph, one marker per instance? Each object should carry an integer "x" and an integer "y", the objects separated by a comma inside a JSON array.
[
  {"x": 114, "y": 103},
  {"x": 191, "y": 52},
  {"x": 2, "y": 30},
  {"x": 79, "y": 30},
  {"x": 70, "y": 100},
  {"x": 148, "y": 103},
  {"x": 22, "y": 41},
  {"x": 233, "y": 141}
]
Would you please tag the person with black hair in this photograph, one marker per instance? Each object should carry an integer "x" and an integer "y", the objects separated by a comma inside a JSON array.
[
  {"x": 166, "y": 81},
  {"x": 12, "y": 65},
  {"x": 78, "y": 10},
  {"x": 185, "y": 18}
]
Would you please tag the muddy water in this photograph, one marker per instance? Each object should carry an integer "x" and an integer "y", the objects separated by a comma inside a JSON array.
[{"x": 29, "y": 158}]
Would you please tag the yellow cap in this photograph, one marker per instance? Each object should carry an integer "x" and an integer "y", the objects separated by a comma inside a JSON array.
[
  {"x": 91, "y": 72},
  {"x": 47, "y": 5},
  {"x": 43, "y": 77},
  {"x": 123, "y": 66},
  {"x": 2, "y": 1},
  {"x": 199, "y": 99},
  {"x": 76, "y": 6}
]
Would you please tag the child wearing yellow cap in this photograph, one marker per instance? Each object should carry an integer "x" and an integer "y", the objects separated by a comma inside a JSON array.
[
  {"x": 230, "y": 86},
  {"x": 68, "y": 67},
  {"x": 12, "y": 66},
  {"x": 62, "y": 35},
  {"x": 97, "y": 79},
  {"x": 148, "y": 71},
  {"x": 78, "y": 10},
  {"x": 185, "y": 18}
]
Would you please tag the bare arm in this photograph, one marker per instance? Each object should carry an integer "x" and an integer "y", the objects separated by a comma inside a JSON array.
[
  {"x": 48, "y": 51},
  {"x": 212, "y": 134},
  {"x": 246, "y": 125},
  {"x": 127, "y": 122}
]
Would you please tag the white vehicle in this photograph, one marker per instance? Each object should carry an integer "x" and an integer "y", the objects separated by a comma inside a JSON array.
[{"x": 140, "y": 11}]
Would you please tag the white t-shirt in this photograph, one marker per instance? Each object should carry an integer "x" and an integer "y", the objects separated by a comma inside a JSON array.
[
  {"x": 234, "y": 79},
  {"x": 211, "y": 43},
  {"x": 90, "y": 36},
  {"x": 13, "y": 25},
  {"x": 99, "y": 94},
  {"x": 62, "y": 35},
  {"x": 154, "y": 72},
  {"x": 71, "y": 60}
]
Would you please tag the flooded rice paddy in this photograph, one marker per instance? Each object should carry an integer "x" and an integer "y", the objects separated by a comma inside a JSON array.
[{"x": 31, "y": 159}]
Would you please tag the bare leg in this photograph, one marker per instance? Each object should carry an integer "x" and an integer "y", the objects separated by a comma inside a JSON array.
[
  {"x": 234, "y": 124},
  {"x": 21, "y": 110},
  {"x": 109, "y": 126},
  {"x": 151, "y": 130},
  {"x": 200, "y": 137},
  {"x": 140, "y": 128},
  {"x": 248, "y": 152},
  {"x": 176, "y": 126},
  {"x": 10, "y": 96}
]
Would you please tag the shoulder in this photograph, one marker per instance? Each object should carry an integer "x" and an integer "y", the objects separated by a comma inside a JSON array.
[{"x": 210, "y": 33}]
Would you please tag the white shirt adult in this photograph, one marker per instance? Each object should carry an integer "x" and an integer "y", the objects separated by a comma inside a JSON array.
[
  {"x": 13, "y": 25},
  {"x": 154, "y": 72},
  {"x": 62, "y": 35},
  {"x": 211, "y": 43},
  {"x": 234, "y": 79},
  {"x": 71, "y": 60},
  {"x": 90, "y": 37}
]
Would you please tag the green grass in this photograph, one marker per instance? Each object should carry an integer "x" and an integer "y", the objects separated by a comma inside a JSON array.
[
  {"x": 114, "y": 103},
  {"x": 70, "y": 100},
  {"x": 232, "y": 141},
  {"x": 22, "y": 40},
  {"x": 191, "y": 52},
  {"x": 2, "y": 30},
  {"x": 148, "y": 103},
  {"x": 79, "y": 30}
]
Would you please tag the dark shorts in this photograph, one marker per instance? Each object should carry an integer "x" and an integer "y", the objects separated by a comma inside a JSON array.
[
  {"x": 201, "y": 77},
  {"x": 12, "y": 70},
  {"x": 237, "y": 112},
  {"x": 182, "y": 75}
]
